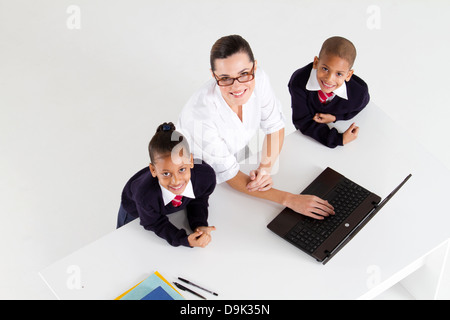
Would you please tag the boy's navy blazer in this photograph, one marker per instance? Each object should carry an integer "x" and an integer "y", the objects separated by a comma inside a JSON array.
[{"x": 305, "y": 104}]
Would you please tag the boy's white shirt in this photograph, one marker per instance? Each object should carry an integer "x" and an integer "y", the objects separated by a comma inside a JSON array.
[
  {"x": 313, "y": 85},
  {"x": 168, "y": 196}
]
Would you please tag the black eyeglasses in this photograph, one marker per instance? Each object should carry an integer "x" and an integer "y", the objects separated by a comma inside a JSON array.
[{"x": 228, "y": 81}]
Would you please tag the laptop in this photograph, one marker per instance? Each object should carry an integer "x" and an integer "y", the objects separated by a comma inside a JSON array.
[{"x": 354, "y": 206}]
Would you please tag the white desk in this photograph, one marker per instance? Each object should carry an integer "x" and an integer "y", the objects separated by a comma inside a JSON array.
[{"x": 245, "y": 260}]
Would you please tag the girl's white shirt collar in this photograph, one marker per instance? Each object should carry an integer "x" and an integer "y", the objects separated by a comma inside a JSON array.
[{"x": 168, "y": 196}]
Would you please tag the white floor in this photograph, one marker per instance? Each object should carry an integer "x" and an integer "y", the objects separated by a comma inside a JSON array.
[{"x": 84, "y": 84}]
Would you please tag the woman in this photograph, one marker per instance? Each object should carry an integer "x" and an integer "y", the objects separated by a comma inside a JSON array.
[{"x": 220, "y": 119}]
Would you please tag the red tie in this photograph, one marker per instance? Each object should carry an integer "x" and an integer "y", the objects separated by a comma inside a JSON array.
[
  {"x": 176, "y": 202},
  {"x": 324, "y": 96}
]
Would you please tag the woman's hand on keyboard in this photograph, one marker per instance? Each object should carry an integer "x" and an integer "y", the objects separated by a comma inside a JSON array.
[{"x": 310, "y": 206}]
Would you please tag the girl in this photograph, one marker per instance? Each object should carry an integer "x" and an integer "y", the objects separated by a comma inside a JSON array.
[{"x": 170, "y": 183}]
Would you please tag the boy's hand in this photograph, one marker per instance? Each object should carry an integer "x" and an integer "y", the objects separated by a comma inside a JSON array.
[
  {"x": 324, "y": 118},
  {"x": 350, "y": 134},
  {"x": 201, "y": 237}
]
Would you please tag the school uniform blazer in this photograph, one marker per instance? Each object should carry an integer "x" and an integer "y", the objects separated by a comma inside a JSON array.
[
  {"x": 142, "y": 197},
  {"x": 305, "y": 104}
]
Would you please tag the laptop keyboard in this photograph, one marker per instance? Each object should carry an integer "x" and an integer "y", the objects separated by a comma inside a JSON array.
[{"x": 309, "y": 233}]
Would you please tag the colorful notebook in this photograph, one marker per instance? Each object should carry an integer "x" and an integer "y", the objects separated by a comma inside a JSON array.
[
  {"x": 158, "y": 294},
  {"x": 155, "y": 287}
]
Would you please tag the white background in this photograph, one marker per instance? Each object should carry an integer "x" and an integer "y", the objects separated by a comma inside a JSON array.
[{"x": 79, "y": 106}]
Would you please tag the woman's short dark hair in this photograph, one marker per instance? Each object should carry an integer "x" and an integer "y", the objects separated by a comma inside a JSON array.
[
  {"x": 165, "y": 140},
  {"x": 227, "y": 46}
]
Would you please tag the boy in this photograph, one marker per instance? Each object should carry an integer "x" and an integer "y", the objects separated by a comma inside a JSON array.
[{"x": 326, "y": 91}]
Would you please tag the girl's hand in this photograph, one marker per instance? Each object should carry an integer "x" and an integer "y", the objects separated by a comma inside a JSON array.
[{"x": 201, "y": 237}]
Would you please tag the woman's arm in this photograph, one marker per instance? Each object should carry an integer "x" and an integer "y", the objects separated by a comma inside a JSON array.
[
  {"x": 273, "y": 142},
  {"x": 307, "y": 205},
  {"x": 260, "y": 178}
]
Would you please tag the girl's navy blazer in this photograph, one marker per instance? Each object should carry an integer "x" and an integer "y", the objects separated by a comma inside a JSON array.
[{"x": 142, "y": 197}]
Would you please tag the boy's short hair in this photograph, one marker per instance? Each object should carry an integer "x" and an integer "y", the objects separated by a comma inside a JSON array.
[{"x": 341, "y": 47}]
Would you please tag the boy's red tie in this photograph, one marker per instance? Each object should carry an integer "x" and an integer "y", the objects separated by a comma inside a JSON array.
[
  {"x": 323, "y": 96},
  {"x": 176, "y": 202}
]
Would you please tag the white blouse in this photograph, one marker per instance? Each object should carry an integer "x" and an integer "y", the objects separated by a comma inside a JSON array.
[{"x": 216, "y": 134}]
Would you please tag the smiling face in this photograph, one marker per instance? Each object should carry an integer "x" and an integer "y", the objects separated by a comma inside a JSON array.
[
  {"x": 173, "y": 171},
  {"x": 236, "y": 65},
  {"x": 332, "y": 71}
]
